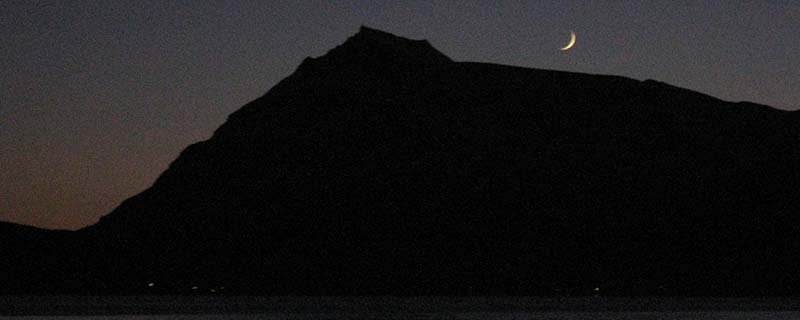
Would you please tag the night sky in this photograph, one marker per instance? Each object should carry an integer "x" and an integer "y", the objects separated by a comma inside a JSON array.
[{"x": 98, "y": 97}]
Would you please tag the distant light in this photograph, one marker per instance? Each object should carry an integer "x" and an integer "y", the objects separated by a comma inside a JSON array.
[
  {"x": 151, "y": 284},
  {"x": 194, "y": 288},
  {"x": 596, "y": 289},
  {"x": 212, "y": 290}
]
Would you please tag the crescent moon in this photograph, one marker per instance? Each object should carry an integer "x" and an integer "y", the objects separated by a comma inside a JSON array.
[{"x": 571, "y": 41}]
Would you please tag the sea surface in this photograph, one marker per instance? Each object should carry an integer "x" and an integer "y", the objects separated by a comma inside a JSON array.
[{"x": 212, "y": 307}]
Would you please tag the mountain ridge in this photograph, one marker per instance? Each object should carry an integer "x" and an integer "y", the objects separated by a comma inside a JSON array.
[{"x": 378, "y": 171}]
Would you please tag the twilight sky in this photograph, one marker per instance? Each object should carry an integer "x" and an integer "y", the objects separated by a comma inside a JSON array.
[{"x": 98, "y": 97}]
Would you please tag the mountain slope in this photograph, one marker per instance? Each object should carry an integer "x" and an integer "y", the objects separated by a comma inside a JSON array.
[{"x": 384, "y": 167}]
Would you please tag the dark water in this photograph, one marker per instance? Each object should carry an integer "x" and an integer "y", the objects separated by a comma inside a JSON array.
[
  {"x": 171, "y": 307},
  {"x": 552, "y": 316}
]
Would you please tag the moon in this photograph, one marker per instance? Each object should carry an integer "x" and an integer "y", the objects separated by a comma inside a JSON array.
[{"x": 571, "y": 41}]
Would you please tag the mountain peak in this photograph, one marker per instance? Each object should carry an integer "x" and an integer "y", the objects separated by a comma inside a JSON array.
[
  {"x": 376, "y": 47},
  {"x": 369, "y": 37},
  {"x": 371, "y": 32}
]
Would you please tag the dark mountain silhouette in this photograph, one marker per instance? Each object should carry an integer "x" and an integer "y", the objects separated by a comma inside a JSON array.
[{"x": 384, "y": 167}]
